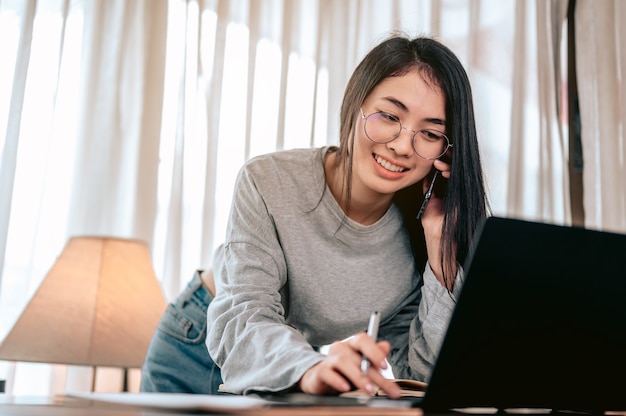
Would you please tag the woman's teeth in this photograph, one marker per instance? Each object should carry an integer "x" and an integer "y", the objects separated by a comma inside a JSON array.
[{"x": 387, "y": 165}]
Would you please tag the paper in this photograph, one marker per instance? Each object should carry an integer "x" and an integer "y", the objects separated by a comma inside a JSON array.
[{"x": 178, "y": 401}]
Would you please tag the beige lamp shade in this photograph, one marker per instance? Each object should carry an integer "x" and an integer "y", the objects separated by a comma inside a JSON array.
[{"x": 98, "y": 306}]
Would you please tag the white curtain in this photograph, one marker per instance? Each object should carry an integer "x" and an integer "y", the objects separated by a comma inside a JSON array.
[
  {"x": 81, "y": 101},
  {"x": 132, "y": 118},
  {"x": 601, "y": 73}
]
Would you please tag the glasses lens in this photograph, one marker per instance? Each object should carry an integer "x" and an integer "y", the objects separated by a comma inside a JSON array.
[
  {"x": 382, "y": 127},
  {"x": 430, "y": 144}
]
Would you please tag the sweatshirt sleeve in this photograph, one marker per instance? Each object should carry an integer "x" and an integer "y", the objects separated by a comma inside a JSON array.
[
  {"x": 429, "y": 327},
  {"x": 247, "y": 335}
]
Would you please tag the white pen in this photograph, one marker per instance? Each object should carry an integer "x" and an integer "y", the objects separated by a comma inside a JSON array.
[{"x": 372, "y": 331}]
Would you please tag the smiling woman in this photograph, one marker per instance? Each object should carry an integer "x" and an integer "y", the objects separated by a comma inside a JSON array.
[
  {"x": 340, "y": 232},
  {"x": 365, "y": 236},
  {"x": 131, "y": 119}
]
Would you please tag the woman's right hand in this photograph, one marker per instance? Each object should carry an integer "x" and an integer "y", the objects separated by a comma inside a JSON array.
[{"x": 340, "y": 370}]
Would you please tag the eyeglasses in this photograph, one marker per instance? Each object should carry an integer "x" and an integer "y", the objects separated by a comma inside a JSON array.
[{"x": 383, "y": 128}]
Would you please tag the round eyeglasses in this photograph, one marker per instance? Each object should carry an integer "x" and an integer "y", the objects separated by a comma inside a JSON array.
[{"x": 383, "y": 128}]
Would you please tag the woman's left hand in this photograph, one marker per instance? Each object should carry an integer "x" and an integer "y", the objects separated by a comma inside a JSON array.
[
  {"x": 433, "y": 214},
  {"x": 432, "y": 222},
  {"x": 443, "y": 168}
]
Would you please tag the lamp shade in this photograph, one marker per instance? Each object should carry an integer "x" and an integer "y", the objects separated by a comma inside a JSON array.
[{"x": 98, "y": 306}]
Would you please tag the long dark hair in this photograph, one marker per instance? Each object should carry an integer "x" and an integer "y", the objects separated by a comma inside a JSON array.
[{"x": 465, "y": 202}]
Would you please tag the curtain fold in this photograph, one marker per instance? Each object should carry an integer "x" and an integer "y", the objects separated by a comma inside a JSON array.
[
  {"x": 210, "y": 93},
  {"x": 8, "y": 160},
  {"x": 116, "y": 157},
  {"x": 601, "y": 66},
  {"x": 537, "y": 179},
  {"x": 553, "y": 201},
  {"x": 153, "y": 73},
  {"x": 174, "y": 204},
  {"x": 515, "y": 184}
]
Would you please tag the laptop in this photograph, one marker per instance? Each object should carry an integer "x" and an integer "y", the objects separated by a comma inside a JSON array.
[{"x": 540, "y": 322}]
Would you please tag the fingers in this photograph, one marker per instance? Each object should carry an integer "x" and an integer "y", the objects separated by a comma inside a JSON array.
[
  {"x": 374, "y": 352},
  {"x": 387, "y": 385},
  {"x": 432, "y": 210},
  {"x": 443, "y": 167},
  {"x": 323, "y": 379},
  {"x": 331, "y": 375},
  {"x": 340, "y": 371}
]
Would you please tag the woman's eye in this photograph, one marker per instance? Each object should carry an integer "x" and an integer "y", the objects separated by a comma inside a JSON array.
[
  {"x": 432, "y": 135},
  {"x": 389, "y": 117}
]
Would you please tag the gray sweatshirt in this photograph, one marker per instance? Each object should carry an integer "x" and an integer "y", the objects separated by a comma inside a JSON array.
[{"x": 295, "y": 273}]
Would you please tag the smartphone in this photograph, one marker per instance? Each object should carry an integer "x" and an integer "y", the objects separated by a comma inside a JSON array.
[{"x": 427, "y": 196}]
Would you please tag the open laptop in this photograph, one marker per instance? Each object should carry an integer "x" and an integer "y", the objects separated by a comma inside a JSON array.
[{"x": 540, "y": 322}]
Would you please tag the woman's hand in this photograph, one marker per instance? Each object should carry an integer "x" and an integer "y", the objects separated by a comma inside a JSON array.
[
  {"x": 432, "y": 219},
  {"x": 341, "y": 369},
  {"x": 442, "y": 167},
  {"x": 432, "y": 223}
]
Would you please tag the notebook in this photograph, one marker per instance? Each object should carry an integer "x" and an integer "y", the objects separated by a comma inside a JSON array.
[{"x": 540, "y": 322}]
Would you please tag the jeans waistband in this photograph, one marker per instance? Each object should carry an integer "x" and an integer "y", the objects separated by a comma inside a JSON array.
[{"x": 196, "y": 287}]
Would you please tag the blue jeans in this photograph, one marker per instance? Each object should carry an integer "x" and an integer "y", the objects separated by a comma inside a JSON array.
[{"x": 177, "y": 360}]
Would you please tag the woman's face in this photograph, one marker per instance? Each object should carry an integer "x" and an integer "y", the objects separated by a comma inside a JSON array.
[{"x": 387, "y": 168}]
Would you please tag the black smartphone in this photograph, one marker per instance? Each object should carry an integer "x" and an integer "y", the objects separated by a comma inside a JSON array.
[
  {"x": 427, "y": 195},
  {"x": 436, "y": 187}
]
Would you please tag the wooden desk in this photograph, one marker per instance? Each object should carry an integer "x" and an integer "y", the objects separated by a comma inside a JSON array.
[
  {"x": 64, "y": 406},
  {"x": 67, "y": 406}
]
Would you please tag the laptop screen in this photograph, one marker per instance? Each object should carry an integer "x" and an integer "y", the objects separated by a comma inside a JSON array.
[{"x": 540, "y": 322}]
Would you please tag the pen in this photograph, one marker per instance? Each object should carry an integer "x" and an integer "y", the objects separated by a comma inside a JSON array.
[
  {"x": 429, "y": 193},
  {"x": 372, "y": 331}
]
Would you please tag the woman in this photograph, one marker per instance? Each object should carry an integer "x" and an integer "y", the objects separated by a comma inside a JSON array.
[{"x": 319, "y": 238}]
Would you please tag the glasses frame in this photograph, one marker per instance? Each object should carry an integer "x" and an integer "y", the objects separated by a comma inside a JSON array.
[{"x": 413, "y": 134}]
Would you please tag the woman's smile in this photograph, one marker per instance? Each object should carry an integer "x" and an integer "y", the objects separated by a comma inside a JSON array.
[{"x": 388, "y": 165}]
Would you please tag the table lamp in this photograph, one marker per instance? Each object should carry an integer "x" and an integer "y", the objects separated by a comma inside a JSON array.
[{"x": 98, "y": 306}]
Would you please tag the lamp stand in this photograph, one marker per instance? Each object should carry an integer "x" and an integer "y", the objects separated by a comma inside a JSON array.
[
  {"x": 93, "y": 379},
  {"x": 125, "y": 381}
]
